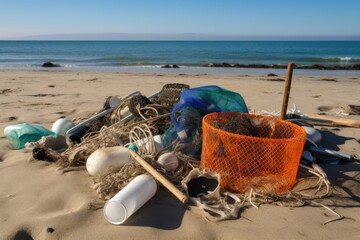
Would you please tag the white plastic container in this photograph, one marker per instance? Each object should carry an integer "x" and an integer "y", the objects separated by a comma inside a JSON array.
[
  {"x": 61, "y": 126},
  {"x": 145, "y": 143},
  {"x": 104, "y": 158},
  {"x": 126, "y": 202}
]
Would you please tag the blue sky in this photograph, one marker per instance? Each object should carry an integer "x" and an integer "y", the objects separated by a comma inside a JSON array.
[{"x": 224, "y": 18}]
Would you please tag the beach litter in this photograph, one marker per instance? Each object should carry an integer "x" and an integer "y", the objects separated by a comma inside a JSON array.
[
  {"x": 199, "y": 143},
  {"x": 20, "y": 134},
  {"x": 130, "y": 199}
]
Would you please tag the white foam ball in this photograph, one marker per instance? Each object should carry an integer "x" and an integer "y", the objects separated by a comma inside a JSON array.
[{"x": 168, "y": 161}]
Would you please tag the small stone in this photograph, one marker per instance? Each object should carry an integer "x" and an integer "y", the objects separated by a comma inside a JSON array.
[
  {"x": 50, "y": 230},
  {"x": 272, "y": 75},
  {"x": 50, "y": 64},
  {"x": 12, "y": 118},
  {"x": 39, "y": 153},
  {"x": 51, "y": 86}
]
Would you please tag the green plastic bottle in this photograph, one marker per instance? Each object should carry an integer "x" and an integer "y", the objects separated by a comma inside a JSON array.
[{"x": 20, "y": 134}]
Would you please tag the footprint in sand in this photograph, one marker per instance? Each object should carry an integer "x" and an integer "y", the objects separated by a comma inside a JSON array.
[
  {"x": 45, "y": 95},
  {"x": 274, "y": 79},
  {"x": 92, "y": 80},
  {"x": 6, "y": 91},
  {"x": 328, "y": 80}
]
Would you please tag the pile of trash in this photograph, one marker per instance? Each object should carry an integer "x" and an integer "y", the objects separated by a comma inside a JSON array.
[{"x": 136, "y": 142}]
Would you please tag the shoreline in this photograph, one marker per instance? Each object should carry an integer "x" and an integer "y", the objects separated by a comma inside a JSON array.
[
  {"x": 281, "y": 66},
  {"x": 188, "y": 69}
]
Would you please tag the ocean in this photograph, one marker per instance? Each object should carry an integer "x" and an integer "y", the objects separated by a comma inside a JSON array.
[{"x": 151, "y": 55}]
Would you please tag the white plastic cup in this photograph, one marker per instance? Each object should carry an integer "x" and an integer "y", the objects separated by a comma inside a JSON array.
[{"x": 126, "y": 202}]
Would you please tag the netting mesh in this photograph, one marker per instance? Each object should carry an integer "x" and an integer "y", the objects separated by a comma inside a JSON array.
[{"x": 252, "y": 151}]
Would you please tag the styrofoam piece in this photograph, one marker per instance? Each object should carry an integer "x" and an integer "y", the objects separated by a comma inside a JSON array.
[
  {"x": 104, "y": 158},
  {"x": 126, "y": 202}
]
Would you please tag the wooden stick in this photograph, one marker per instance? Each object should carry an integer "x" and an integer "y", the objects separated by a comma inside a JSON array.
[
  {"x": 166, "y": 183},
  {"x": 336, "y": 121},
  {"x": 287, "y": 90}
]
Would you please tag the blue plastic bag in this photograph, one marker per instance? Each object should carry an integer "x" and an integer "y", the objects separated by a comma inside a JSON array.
[{"x": 206, "y": 99}]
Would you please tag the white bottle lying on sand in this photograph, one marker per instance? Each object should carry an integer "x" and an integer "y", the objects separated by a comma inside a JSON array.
[
  {"x": 104, "y": 158},
  {"x": 126, "y": 202}
]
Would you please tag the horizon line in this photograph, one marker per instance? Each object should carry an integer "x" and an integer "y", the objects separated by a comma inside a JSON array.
[{"x": 177, "y": 37}]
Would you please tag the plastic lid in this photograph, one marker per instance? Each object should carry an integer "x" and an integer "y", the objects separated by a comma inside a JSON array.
[
  {"x": 115, "y": 212},
  {"x": 133, "y": 147}
]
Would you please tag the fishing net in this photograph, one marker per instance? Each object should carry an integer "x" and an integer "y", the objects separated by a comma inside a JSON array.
[
  {"x": 114, "y": 135},
  {"x": 170, "y": 93},
  {"x": 206, "y": 100},
  {"x": 136, "y": 102},
  {"x": 110, "y": 183},
  {"x": 252, "y": 151},
  {"x": 190, "y": 121}
]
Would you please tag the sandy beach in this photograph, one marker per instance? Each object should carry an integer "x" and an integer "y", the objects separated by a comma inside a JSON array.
[{"x": 37, "y": 201}]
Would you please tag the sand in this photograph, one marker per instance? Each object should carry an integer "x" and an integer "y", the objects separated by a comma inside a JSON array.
[{"x": 37, "y": 201}]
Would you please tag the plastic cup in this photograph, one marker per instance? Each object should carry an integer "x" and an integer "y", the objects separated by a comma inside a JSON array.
[{"x": 126, "y": 202}]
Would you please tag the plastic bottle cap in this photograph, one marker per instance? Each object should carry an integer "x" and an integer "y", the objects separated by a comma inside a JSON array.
[{"x": 133, "y": 147}]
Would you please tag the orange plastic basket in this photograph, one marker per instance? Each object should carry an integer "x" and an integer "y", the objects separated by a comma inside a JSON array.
[{"x": 252, "y": 151}]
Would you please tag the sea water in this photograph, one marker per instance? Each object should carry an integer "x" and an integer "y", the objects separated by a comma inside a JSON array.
[{"x": 189, "y": 55}]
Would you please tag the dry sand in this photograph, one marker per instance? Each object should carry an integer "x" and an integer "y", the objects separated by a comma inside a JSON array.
[{"x": 36, "y": 198}]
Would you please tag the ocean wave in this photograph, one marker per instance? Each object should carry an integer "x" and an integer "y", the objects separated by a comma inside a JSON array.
[
  {"x": 330, "y": 59},
  {"x": 345, "y": 59}
]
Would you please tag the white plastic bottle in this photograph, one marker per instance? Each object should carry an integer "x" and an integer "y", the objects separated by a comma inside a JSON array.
[
  {"x": 104, "y": 158},
  {"x": 126, "y": 202}
]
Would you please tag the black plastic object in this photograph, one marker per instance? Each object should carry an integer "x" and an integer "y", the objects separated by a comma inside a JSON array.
[
  {"x": 201, "y": 186},
  {"x": 39, "y": 153},
  {"x": 78, "y": 134}
]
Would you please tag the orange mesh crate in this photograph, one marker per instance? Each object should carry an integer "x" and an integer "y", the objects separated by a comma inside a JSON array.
[{"x": 252, "y": 151}]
